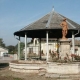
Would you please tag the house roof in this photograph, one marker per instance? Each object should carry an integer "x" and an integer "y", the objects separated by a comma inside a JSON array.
[{"x": 38, "y": 28}]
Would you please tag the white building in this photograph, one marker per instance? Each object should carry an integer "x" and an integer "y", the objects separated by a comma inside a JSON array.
[
  {"x": 76, "y": 48},
  {"x": 53, "y": 45},
  {"x": 34, "y": 46},
  {"x": 3, "y": 51}
]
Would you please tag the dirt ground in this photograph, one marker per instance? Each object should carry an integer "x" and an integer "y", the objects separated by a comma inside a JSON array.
[{"x": 6, "y": 74}]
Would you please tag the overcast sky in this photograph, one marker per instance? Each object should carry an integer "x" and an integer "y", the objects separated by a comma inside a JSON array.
[{"x": 16, "y": 14}]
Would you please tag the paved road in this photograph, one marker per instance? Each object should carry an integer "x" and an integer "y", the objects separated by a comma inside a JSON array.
[{"x": 6, "y": 59}]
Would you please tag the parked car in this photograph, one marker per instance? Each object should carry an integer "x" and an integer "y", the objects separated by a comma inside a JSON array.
[{"x": 5, "y": 55}]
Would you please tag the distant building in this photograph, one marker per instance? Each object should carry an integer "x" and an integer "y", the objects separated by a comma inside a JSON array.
[
  {"x": 3, "y": 51},
  {"x": 53, "y": 45},
  {"x": 77, "y": 47},
  {"x": 34, "y": 46}
]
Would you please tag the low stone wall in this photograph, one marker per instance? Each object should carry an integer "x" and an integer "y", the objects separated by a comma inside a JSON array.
[
  {"x": 28, "y": 67},
  {"x": 38, "y": 66},
  {"x": 63, "y": 68}
]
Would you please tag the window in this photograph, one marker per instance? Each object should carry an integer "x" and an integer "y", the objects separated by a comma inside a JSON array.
[{"x": 30, "y": 50}]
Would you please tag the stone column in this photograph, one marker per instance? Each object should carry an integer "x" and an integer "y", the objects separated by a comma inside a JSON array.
[
  {"x": 25, "y": 46},
  {"x": 19, "y": 48},
  {"x": 40, "y": 47},
  {"x": 34, "y": 41},
  {"x": 65, "y": 50},
  {"x": 73, "y": 44},
  {"x": 47, "y": 46}
]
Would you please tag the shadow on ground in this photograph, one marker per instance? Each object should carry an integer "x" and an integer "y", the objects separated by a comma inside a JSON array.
[{"x": 3, "y": 65}]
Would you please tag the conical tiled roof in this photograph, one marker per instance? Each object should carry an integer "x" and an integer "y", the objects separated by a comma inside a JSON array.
[
  {"x": 40, "y": 26},
  {"x": 54, "y": 23}
]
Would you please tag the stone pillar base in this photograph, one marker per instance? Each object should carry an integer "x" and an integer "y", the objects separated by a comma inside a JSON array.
[{"x": 64, "y": 53}]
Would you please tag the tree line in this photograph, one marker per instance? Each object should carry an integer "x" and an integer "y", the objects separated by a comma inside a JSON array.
[{"x": 11, "y": 48}]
